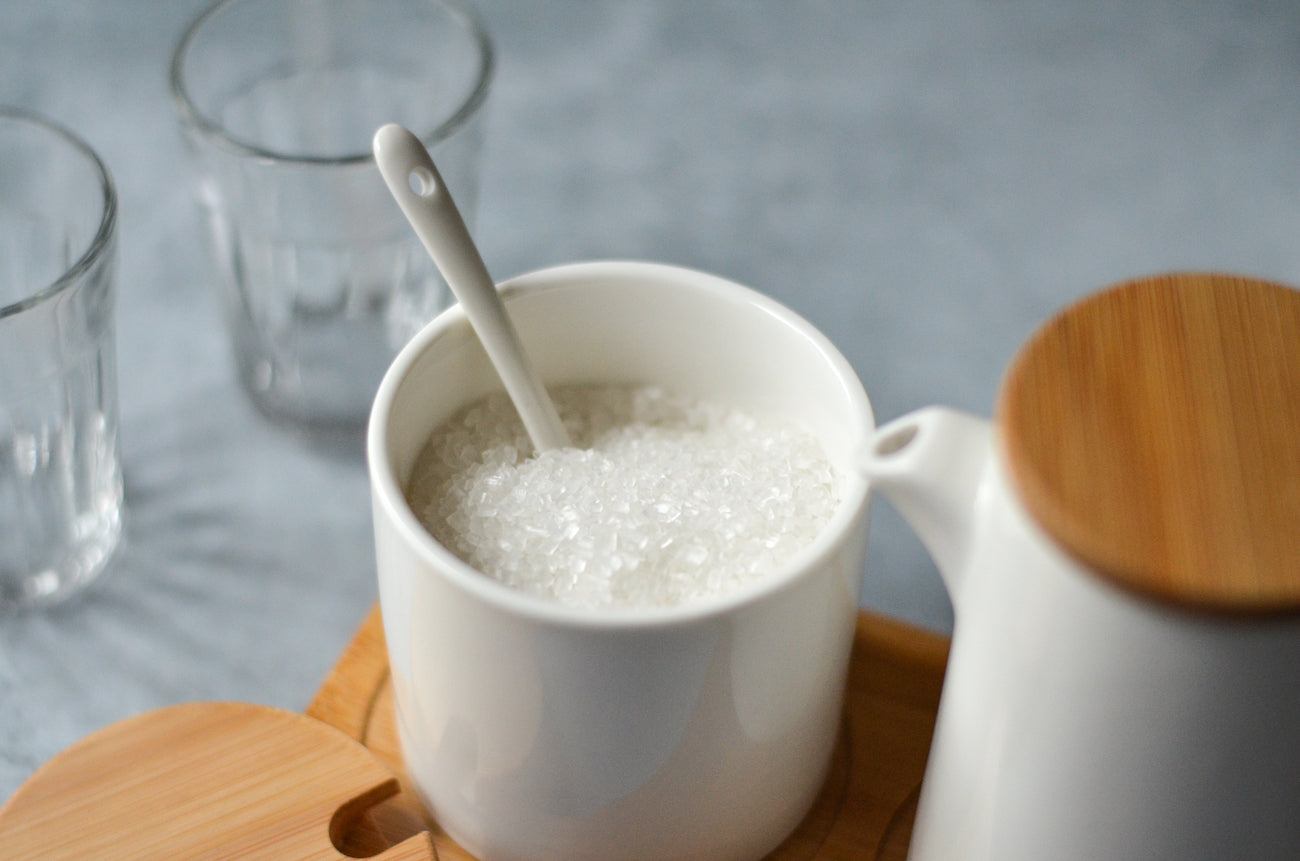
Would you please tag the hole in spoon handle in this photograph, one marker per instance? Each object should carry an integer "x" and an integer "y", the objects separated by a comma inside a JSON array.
[{"x": 422, "y": 182}]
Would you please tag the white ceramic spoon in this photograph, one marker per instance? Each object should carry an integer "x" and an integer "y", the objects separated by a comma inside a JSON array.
[{"x": 415, "y": 183}]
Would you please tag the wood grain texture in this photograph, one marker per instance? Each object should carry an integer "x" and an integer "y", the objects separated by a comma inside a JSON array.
[
  {"x": 865, "y": 808},
  {"x": 1153, "y": 430},
  {"x": 201, "y": 781}
]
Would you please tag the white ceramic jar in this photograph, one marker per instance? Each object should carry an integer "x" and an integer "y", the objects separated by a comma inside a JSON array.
[
  {"x": 1121, "y": 549},
  {"x": 536, "y": 731}
]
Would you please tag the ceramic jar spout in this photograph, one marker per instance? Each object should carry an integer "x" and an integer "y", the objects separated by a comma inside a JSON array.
[{"x": 929, "y": 464}]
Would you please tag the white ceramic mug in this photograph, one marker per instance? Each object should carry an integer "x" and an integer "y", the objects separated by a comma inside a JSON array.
[{"x": 536, "y": 731}]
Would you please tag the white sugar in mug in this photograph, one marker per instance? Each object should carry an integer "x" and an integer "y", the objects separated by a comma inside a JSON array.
[{"x": 536, "y": 731}]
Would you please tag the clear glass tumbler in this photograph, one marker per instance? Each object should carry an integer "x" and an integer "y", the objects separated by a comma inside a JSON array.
[
  {"x": 60, "y": 474},
  {"x": 323, "y": 278}
]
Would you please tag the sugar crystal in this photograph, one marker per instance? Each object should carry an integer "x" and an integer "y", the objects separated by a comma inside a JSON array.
[{"x": 660, "y": 501}]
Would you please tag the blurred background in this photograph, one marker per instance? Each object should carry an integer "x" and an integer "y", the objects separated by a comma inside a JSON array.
[{"x": 924, "y": 181}]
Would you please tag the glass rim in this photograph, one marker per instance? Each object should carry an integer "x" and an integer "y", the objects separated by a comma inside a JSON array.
[
  {"x": 103, "y": 238},
  {"x": 465, "y": 13}
]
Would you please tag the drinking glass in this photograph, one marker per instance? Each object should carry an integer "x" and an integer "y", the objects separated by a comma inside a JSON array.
[
  {"x": 323, "y": 279},
  {"x": 60, "y": 473}
]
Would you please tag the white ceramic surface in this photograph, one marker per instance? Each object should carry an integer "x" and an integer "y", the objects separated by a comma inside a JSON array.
[
  {"x": 1078, "y": 721},
  {"x": 426, "y": 201},
  {"x": 536, "y": 731}
]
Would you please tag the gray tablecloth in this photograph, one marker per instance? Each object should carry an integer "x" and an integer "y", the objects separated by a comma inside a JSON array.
[{"x": 925, "y": 181}]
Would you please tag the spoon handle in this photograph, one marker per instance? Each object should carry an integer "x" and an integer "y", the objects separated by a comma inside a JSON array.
[{"x": 415, "y": 183}]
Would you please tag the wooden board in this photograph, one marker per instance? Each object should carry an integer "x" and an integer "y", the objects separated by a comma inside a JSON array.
[{"x": 864, "y": 811}]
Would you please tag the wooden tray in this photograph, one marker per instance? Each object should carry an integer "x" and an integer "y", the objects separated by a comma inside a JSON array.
[{"x": 864, "y": 811}]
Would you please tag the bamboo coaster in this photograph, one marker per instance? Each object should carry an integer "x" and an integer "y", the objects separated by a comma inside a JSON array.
[{"x": 864, "y": 811}]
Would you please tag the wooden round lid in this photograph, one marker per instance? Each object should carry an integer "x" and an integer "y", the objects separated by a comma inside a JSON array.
[
  {"x": 201, "y": 780},
  {"x": 1153, "y": 430}
]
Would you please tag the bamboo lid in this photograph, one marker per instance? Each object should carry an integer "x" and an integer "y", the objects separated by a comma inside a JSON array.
[
  {"x": 1153, "y": 430},
  {"x": 201, "y": 780}
]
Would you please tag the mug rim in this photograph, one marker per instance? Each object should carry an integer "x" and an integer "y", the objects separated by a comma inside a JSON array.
[
  {"x": 387, "y": 491},
  {"x": 463, "y": 12},
  {"x": 102, "y": 240}
]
